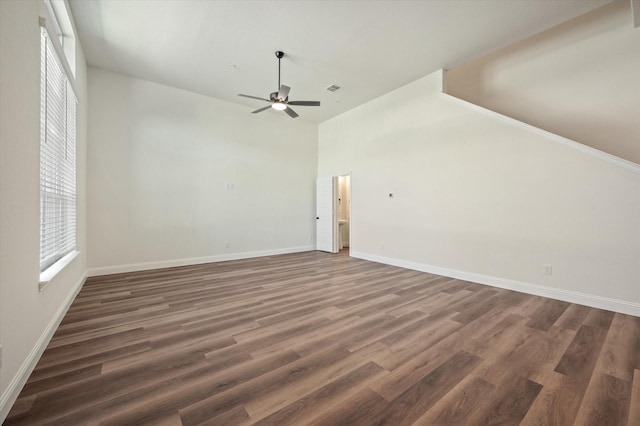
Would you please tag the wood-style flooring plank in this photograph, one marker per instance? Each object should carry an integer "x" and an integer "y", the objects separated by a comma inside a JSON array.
[
  {"x": 405, "y": 375},
  {"x": 509, "y": 403},
  {"x": 547, "y": 314},
  {"x": 149, "y": 403},
  {"x": 606, "y": 402},
  {"x": 261, "y": 387},
  {"x": 363, "y": 407},
  {"x": 457, "y": 406},
  {"x": 580, "y": 358},
  {"x": 310, "y": 405},
  {"x": 573, "y": 317},
  {"x": 620, "y": 351},
  {"x": 411, "y": 404}
]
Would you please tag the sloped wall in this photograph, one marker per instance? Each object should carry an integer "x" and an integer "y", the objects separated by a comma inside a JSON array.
[
  {"x": 580, "y": 80},
  {"x": 485, "y": 199}
]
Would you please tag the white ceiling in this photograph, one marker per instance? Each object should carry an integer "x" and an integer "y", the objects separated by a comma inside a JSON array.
[{"x": 222, "y": 48}]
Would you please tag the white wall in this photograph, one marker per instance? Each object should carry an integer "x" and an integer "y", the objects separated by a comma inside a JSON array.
[
  {"x": 485, "y": 199},
  {"x": 580, "y": 80},
  {"x": 28, "y": 317},
  {"x": 159, "y": 161}
]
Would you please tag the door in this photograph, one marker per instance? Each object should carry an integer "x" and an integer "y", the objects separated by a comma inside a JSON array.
[{"x": 326, "y": 223}]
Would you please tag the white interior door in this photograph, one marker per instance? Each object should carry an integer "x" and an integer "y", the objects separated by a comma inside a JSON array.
[{"x": 326, "y": 222}]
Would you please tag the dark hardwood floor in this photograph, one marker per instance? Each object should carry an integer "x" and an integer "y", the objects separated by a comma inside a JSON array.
[{"x": 314, "y": 338}]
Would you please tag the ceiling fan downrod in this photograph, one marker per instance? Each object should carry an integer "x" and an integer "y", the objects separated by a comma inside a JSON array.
[{"x": 279, "y": 55}]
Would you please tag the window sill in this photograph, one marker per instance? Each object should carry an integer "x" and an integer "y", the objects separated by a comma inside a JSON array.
[{"x": 48, "y": 274}]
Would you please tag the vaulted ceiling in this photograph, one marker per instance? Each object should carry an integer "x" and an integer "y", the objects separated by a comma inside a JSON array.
[{"x": 368, "y": 48}]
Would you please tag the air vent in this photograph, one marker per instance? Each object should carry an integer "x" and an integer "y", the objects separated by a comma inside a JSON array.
[{"x": 333, "y": 88}]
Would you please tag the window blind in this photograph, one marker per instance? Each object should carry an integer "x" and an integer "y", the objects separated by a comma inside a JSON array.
[{"x": 57, "y": 158}]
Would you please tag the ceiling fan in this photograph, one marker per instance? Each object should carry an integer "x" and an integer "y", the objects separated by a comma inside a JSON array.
[{"x": 280, "y": 100}]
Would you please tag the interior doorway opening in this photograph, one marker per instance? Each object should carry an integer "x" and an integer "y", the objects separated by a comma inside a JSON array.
[
  {"x": 343, "y": 213},
  {"x": 333, "y": 214}
]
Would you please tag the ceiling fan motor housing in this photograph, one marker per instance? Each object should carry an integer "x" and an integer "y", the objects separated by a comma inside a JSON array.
[{"x": 274, "y": 97}]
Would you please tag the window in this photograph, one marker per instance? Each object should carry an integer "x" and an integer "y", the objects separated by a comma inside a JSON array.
[
  {"x": 57, "y": 158},
  {"x": 59, "y": 23}
]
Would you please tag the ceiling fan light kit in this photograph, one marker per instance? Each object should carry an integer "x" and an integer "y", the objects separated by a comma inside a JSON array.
[{"x": 280, "y": 100}]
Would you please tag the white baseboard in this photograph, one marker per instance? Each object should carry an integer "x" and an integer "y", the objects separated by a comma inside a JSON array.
[
  {"x": 12, "y": 391},
  {"x": 586, "y": 299},
  {"x": 133, "y": 267}
]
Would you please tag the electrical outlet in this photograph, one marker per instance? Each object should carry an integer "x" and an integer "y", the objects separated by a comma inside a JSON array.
[
  {"x": 227, "y": 244},
  {"x": 546, "y": 268}
]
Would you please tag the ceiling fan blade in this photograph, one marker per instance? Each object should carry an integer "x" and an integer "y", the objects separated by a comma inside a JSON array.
[
  {"x": 291, "y": 112},
  {"x": 254, "y": 97},
  {"x": 284, "y": 92},
  {"x": 305, "y": 103},
  {"x": 261, "y": 109}
]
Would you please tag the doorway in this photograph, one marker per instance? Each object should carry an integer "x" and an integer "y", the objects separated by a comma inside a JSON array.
[
  {"x": 344, "y": 212},
  {"x": 333, "y": 213}
]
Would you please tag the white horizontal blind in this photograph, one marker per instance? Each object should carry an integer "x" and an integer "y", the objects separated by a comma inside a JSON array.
[{"x": 57, "y": 158}]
